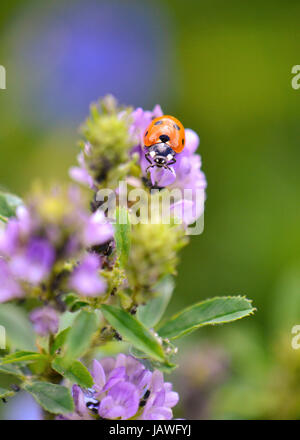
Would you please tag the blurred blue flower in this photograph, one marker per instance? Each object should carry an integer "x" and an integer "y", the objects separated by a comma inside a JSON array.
[{"x": 71, "y": 52}]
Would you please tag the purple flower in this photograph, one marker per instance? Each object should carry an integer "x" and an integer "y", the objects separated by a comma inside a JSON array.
[
  {"x": 85, "y": 278},
  {"x": 185, "y": 175},
  {"x": 80, "y": 174},
  {"x": 45, "y": 320},
  {"x": 97, "y": 230},
  {"x": 161, "y": 399},
  {"x": 121, "y": 401},
  {"x": 35, "y": 262},
  {"x": 10, "y": 288},
  {"x": 124, "y": 389},
  {"x": 140, "y": 119},
  {"x": 55, "y": 226}
]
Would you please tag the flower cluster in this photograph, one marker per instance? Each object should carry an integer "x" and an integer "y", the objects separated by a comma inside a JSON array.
[
  {"x": 154, "y": 253},
  {"x": 107, "y": 143},
  {"x": 39, "y": 245},
  {"x": 124, "y": 389}
]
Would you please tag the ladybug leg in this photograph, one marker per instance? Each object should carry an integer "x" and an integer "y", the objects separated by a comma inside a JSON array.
[
  {"x": 150, "y": 166},
  {"x": 147, "y": 156},
  {"x": 172, "y": 161}
]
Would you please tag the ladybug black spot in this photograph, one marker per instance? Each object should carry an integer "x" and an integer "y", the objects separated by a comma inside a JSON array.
[
  {"x": 182, "y": 141},
  {"x": 146, "y": 133},
  {"x": 158, "y": 122},
  {"x": 164, "y": 137}
]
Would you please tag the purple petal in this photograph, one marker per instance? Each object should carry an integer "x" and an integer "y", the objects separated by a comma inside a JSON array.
[
  {"x": 81, "y": 175},
  {"x": 157, "y": 381},
  {"x": 125, "y": 395},
  {"x": 98, "y": 230},
  {"x": 192, "y": 140},
  {"x": 108, "y": 364},
  {"x": 79, "y": 400},
  {"x": 115, "y": 376},
  {"x": 162, "y": 177},
  {"x": 34, "y": 264},
  {"x": 85, "y": 278},
  {"x": 98, "y": 375},
  {"x": 109, "y": 410},
  {"x": 158, "y": 413}
]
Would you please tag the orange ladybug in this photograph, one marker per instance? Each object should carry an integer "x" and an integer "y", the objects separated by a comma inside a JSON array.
[{"x": 163, "y": 139}]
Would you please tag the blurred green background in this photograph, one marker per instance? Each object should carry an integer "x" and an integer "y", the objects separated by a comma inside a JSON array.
[{"x": 224, "y": 69}]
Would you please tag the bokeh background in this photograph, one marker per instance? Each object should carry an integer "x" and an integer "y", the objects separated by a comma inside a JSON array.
[{"x": 224, "y": 69}]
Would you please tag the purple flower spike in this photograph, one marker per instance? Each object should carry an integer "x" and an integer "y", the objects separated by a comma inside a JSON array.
[
  {"x": 45, "y": 320},
  {"x": 184, "y": 174},
  {"x": 124, "y": 389},
  {"x": 34, "y": 263},
  {"x": 85, "y": 279}
]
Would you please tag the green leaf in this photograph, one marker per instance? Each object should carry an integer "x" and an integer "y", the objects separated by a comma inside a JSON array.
[
  {"x": 8, "y": 204},
  {"x": 22, "y": 356},
  {"x": 165, "y": 366},
  {"x": 151, "y": 313},
  {"x": 5, "y": 393},
  {"x": 19, "y": 331},
  {"x": 55, "y": 399},
  {"x": 212, "y": 311},
  {"x": 134, "y": 331},
  {"x": 75, "y": 371},
  {"x": 80, "y": 334},
  {"x": 122, "y": 235},
  {"x": 12, "y": 370},
  {"x": 59, "y": 341},
  {"x": 74, "y": 303}
]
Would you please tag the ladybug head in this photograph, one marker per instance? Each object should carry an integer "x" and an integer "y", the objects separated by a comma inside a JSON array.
[{"x": 161, "y": 154}]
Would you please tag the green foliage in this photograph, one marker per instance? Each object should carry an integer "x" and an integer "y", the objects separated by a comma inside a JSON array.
[
  {"x": 81, "y": 333},
  {"x": 22, "y": 356},
  {"x": 74, "y": 302},
  {"x": 12, "y": 370},
  {"x": 152, "y": 312},
  {"x": 134, "y": 332},
  {"x": 59, "y": 340},
  {"x": 212, "y": 311},
  {"x": 139, "y": 280},
  {"x": 5, "y": 393},
  {"x": 75, "y": 371},
  {"x": 19, "y": 332},
  {"x": 53, "y": 398}
]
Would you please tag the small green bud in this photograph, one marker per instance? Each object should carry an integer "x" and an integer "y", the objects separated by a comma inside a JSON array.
[
  {"x": 153, "y": 254},
  {"x": 107, "y": 132}
]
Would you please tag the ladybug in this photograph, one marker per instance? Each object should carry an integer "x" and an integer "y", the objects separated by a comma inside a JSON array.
[{"x": 163, "y": 139}]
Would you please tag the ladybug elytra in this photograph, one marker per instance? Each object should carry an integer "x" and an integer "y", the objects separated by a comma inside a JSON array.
[{"x": 163, "y": 139}]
